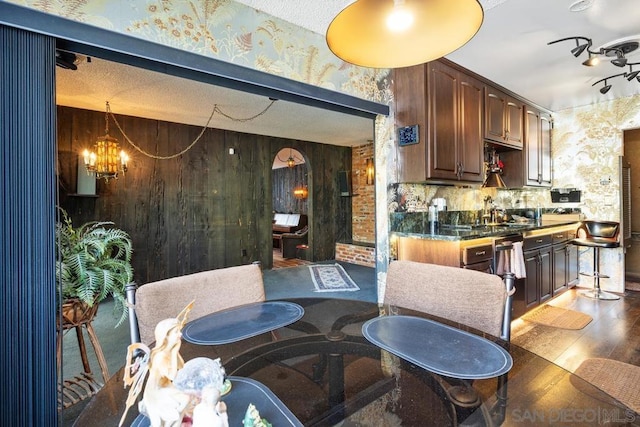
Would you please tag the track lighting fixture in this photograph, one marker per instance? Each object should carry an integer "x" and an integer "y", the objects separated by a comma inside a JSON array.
[
  {"x": 619, "y": 61},
  {"x": 632, "y": 74},
  {"x": 604, "y": 89},
  {"x": 66, "y": 60},
  {"x": 618, "y": 50}
]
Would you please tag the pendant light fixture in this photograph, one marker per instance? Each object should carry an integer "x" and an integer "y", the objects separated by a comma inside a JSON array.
[
  {"x": 106, "y": 160},
  {"x": 401, "y": 33}
]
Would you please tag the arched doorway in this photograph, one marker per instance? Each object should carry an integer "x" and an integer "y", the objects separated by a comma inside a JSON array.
[{"x": 291, "y": 205}]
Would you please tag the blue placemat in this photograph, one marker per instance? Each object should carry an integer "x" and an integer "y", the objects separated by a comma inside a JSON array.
[
  {"x": 438, "y": 348},
  {"x": 245, "y": 391},
  {"x": 238, "y": 323}
]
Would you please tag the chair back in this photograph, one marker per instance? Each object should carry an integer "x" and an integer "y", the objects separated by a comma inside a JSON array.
[
  {"x": 600, "y": 229},
  {"x": 470, "y": 297},
  {"x": 212, "y": 290}
]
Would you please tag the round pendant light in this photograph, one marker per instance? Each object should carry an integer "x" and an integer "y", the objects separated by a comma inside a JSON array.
[{"x": 401, "y": 33}]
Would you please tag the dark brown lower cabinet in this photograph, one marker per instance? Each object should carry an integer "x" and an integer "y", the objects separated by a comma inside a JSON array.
[
  {"x": 551, "y": 263},
  {"x": 538, "y": 283},
  {"x": 565, "y": 267},
  {"x": 560, "y": 268}
]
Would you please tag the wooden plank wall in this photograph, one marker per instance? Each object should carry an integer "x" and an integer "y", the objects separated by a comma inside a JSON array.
[
  {"x": 205, "y": 209},
  {"x": 284, "y": 181}
]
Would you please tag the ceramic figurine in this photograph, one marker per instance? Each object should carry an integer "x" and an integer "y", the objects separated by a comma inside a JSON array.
[
  {"x": 252, "y": 418},
  {"x": 210, "y": 412},
  {"x": 162, "y": 402}
]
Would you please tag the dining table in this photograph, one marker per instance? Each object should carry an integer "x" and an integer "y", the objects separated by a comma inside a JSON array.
[{"x": 330, "y": 362}]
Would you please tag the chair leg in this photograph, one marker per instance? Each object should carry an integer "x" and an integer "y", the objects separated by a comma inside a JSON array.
[{"x": 596, "y": 292}]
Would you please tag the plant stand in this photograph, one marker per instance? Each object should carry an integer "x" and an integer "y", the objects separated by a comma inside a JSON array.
[{"x": 77, "y": 315}]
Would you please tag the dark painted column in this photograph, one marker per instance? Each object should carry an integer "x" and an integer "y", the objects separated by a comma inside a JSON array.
[{"x": 27, "y": 218}]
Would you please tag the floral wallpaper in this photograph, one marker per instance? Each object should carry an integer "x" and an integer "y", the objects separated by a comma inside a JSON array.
[
  {"x": 229, "y": 31},
  {"x": 587, "y": 143}
]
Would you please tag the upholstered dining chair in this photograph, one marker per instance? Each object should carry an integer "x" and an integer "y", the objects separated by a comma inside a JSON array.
[
  {"x": 212, "y": 290},
  {"x": 472, "y": 298}
]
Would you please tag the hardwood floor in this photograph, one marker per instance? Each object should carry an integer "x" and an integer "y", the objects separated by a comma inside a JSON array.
[
  {"x": 279, "y": 262},
  {"x": 614, "y": 332}
]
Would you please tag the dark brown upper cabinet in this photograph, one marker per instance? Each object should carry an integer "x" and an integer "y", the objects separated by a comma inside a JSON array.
[
  {"x": 447, "y": 106},
  {"x": 503, "y": 118},
  {"x": 538, "y": 151}
]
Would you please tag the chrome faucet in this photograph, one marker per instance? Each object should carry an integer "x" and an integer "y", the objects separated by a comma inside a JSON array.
[{"x": 487, "y": 210}]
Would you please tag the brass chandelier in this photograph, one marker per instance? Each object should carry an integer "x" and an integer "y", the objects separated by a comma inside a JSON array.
[{"x": 106, "y": 160}]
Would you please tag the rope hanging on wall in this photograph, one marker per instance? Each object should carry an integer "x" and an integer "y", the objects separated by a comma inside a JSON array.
[{"x": 216, "y": 109}]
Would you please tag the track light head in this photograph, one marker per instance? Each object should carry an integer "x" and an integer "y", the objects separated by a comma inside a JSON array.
[
  {"x": 577, "y": 51},
  {"x": 620, "y": 61},
  {"x": 66, "y": 60},
  {"x": 604, "y": 89},
  {"x": 592, "y": 61},
  {"x": 631, "y": 75}
]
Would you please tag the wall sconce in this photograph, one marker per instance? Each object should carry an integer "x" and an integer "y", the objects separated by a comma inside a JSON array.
[
  {"x": 370, "y": 171},
  {"x": 300, "y": 192},
  {"x": 106, "y": 160}
]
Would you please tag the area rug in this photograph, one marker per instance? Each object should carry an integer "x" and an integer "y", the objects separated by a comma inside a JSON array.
[
  {"x": 618, "y": 379},
  {"x": 558, "y": 317},
  {"x": 331, "y": 278}
]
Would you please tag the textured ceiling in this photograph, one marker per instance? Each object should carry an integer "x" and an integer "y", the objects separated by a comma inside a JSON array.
[{"x": 142, "y": 93}]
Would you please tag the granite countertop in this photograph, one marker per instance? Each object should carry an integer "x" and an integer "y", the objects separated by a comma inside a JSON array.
[{"x": 453, "y": 233}]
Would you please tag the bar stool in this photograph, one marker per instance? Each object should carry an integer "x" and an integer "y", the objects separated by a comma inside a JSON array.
[{"x": 596, "y": 235}]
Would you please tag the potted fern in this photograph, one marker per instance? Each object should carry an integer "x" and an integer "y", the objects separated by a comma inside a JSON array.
[{"x": 93, "y": 262}]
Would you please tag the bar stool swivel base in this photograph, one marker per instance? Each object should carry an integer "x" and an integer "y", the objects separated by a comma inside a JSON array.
[{"x": 598, "y": 294}]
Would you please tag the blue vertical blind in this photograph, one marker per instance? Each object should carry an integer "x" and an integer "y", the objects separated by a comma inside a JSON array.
[{"x": 27, "y": 218}]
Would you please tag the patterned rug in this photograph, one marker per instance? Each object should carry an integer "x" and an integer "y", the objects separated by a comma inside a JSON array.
[
  {"x": 331, "y": 278},
  {"x": 618, "y": 379},
  {"x": 558, "y": 317}
]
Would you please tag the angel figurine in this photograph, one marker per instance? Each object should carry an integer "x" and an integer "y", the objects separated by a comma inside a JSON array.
[{"x": 162, "y": 402}]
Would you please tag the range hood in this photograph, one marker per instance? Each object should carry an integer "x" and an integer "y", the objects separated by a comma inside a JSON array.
[{"x": 493, "y": 180}]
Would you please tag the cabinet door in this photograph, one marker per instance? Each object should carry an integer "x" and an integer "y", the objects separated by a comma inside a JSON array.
[
  {"x": 442, "y": 122},
  {"x": 532, "y": 151},
  {"x": 495, "y": 104},
  {"x": 503, "y": 118},
  {"x": 532, "y": 279},
  {"x": 572, "y": 265},
  {"x": 514, "y": 116},
  {"x": 471, "y": 149},
  {"x": 560, "y": 269},
  {"x": 537, "y": 148},
  {"x": 546, "y": 277},
  {"x": 545, "y": 149}
]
